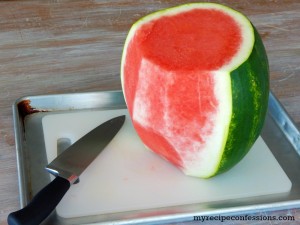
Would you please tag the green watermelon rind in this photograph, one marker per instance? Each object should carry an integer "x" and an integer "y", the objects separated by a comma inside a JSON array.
[{"x": 248, "y": 110}]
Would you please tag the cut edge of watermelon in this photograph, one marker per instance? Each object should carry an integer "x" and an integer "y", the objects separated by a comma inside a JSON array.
[
  {"x": 245, "y": 25},
  {"x": 210, "y": 160}
]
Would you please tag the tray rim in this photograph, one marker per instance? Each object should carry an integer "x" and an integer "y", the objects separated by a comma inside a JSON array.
[{"x": 285, "y": 123}]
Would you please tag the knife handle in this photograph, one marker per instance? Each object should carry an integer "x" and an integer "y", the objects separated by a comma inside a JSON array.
[{"x": 41, "y": 205}]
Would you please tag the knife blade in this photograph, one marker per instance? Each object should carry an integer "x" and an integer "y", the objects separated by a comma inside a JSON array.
[{"x": 67, "y": 167}]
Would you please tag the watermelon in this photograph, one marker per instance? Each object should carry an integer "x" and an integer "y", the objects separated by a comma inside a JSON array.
[{"x": 196, "y": 81}]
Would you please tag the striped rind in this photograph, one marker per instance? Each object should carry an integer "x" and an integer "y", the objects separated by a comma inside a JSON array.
[{"x": 249, "y": 108}]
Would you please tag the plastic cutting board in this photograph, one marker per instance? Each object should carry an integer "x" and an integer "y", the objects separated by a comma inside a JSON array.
[{"x": 126, "y": 176}]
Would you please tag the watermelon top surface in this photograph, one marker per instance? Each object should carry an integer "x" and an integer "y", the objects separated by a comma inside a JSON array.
[{"x": 195, "y": 80}]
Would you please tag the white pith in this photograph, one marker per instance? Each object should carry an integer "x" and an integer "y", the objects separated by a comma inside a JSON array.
[{"x": 203, "y": 163}]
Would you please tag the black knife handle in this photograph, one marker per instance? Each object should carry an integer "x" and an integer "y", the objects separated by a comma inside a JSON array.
[{"x": 41, "y": 205}]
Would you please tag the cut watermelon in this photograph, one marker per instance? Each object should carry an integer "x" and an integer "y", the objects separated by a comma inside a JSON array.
[{"x": 196, "y": 82}]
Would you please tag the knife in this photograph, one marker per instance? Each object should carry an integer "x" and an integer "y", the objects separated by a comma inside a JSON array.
[{"x": 67, "y": 168}]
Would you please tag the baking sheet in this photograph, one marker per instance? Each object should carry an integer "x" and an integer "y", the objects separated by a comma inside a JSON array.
[{"x": 32, "y": 158}]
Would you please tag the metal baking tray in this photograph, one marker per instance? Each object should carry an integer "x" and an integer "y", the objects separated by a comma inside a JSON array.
[{"x": 279, "y": 133}]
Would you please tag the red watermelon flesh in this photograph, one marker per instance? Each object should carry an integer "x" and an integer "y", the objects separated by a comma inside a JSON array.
[{"x": 174, "y": 76}]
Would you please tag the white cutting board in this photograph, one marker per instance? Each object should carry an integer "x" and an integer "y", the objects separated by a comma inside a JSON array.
[{"x": 126, "y": 176}]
